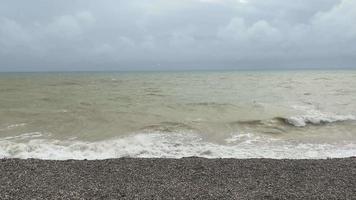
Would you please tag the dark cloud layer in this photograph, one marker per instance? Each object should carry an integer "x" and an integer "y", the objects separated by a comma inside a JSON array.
[{"x": 176, "y": 34}]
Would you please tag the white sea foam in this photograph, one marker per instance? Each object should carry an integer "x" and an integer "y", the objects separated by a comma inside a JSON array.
[
  {"x": 172, "y": 145},
  {"x": 313, "y": 116},
  {"x": 246, "y": 138},
  {"x": 16, "y": 125},
  {"x": 24, "y": 136},
  {"x": 12, "y": 126}
]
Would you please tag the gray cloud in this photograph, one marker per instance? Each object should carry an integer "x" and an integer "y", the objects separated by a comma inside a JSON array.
[{"x": 176, "y": 34}]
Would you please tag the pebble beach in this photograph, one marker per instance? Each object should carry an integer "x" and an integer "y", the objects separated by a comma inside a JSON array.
[{"x": 186, "y": 178}]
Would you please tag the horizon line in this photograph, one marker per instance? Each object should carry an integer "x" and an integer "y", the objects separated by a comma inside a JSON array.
[{"x": 181, "y": 70}]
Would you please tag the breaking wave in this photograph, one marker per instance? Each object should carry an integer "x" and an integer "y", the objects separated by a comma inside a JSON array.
[
  {"x": 171, "y": 145},
  {"x": 310, "y": 117},
  {"x": 301, "y": 121},
  {"x": 315, "y": 117}
]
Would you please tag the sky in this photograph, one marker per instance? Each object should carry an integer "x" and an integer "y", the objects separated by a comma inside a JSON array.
[{"x": 81, "y": 35}]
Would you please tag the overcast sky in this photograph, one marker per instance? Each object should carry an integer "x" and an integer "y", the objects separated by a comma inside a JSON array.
[{"x": 176, "y": 34}]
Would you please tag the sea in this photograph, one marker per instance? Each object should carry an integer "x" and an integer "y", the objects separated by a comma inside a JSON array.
[{"x": 286, "y": 114}]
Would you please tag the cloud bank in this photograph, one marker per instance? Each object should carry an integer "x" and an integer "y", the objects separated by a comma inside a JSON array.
[{"x": 176, "y": 34}]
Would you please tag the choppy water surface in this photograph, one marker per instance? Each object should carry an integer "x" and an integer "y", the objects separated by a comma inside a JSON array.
[{"x": 241, "y": 114}]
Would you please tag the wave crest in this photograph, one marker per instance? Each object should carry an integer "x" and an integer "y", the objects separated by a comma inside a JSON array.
[{"x": 315, "y": 117}]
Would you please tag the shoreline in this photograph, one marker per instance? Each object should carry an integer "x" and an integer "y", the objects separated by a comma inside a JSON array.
[{"x": 186, "y": 178}]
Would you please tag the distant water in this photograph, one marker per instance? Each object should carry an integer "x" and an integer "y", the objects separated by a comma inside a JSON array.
[{"x": 234, "y": 114}]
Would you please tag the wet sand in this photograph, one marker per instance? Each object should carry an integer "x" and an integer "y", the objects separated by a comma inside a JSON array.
[{"x": 187, "y": 178}]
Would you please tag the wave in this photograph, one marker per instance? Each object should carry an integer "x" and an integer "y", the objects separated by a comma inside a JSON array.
[
  {"x": 302, "y": 121},
  {"x": 171, "y": 145},
  {"x": 310, "y": 116},
  {"x": 296, "y": 121},
  {"x": 314, "y": 117},
  {"x": 168, "y": 126},
  {"x": 249, "y": 122},
  {"x": 211, "y": 104}
]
